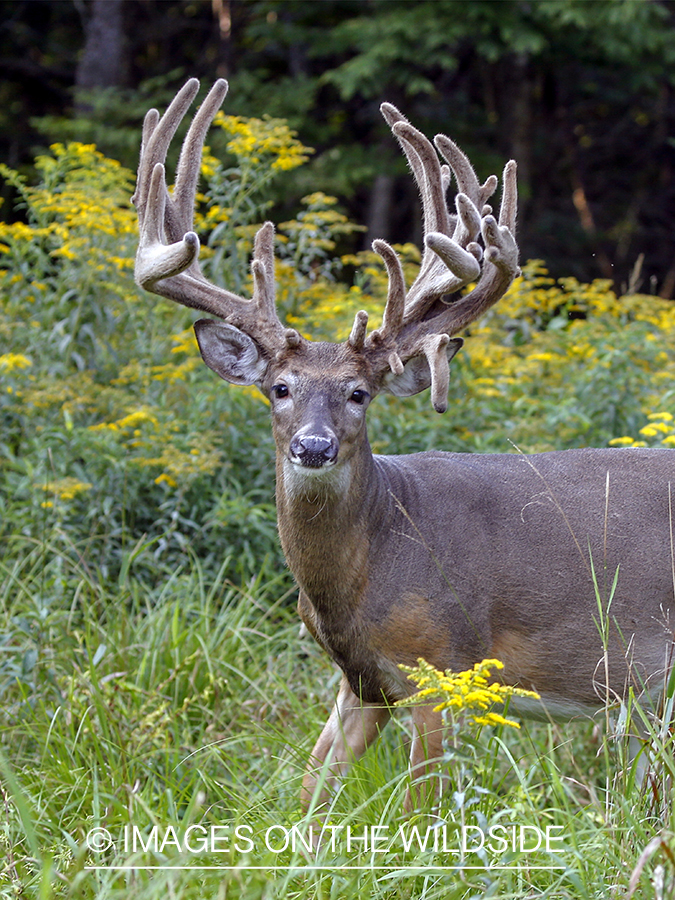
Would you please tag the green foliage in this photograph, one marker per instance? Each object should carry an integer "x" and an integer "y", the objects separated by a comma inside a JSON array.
[
  {"x": 567, "y": 364},
  {"x": 106, "y": 390},
  {"x": 110, "y": 117},
  {"x": 150, "y": 669},
  {"x": 377, "y": 38},
  {"x": 76, "y": 249}
]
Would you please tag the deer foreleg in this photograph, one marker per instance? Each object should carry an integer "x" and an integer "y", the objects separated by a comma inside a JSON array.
[
  {"x": 351, "y": 728},
  {"x": 425, "y": 754}
]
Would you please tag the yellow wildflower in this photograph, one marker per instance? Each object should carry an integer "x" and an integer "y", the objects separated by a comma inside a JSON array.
[
  {"x": 127, "y": 422},
  {"x": 166, "y": 479},
  {"x": 65, "y": 488},
  {"x": 468, "y": 692},
  {"x": 11, "y": 361},
  {"x": 624, "y": 441},
  {"x": 653, "y": 429},
  {"x": 255, "y": 138}
]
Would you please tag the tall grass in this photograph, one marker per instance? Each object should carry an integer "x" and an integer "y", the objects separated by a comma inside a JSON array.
[{"x": 196, "y": 704}]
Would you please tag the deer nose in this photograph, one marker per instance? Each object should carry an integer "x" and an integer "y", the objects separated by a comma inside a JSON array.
[{"x": 313, "y": 450}]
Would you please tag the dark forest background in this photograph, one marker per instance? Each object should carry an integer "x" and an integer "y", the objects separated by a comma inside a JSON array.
[{"x": 579, "y": 92}]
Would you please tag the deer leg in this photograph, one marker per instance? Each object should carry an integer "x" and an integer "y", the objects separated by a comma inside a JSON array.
[
  {"x": 351, "y": 728},
  {"x": 426, "y": 751}
]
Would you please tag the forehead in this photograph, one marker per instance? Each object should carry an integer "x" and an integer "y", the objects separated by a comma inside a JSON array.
[{"x": 321, "y": 362}]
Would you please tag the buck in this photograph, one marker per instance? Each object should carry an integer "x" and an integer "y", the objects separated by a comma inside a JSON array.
[{"x": 451, "y": 557}]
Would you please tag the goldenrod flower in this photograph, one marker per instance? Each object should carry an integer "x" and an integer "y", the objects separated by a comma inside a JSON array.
[
  {"x": 65, "y": 489},
  {"x": 467, "y": 692},
  {"x": 166, "y": 479},
  {"x": 11, "y": 361}
]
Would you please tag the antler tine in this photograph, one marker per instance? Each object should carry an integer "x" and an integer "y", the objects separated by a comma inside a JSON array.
[
  {"x": 420, "y": 324},
  {"x": 427, "y": 171},
  {"x": 150, "y": 122},
  {"x": 357, "y": 335},
  {"x": 172, "y": 269},
  {"x": 434, "y": 350},
  {"x": 155, "y": 260},
  {"x": 392, "y": 117},
  {"x": 445, "y": 272},
  {"x": 392, "y": 321},
  {"x": 157, "y": 135},
  {"x": 467, "y": 181},
  {"x": 394, "y": 309},
  {"x": 446, "y": 178},
  {"x": 431, "y": 181},
  {"x": 460, "y": 267},
  {"x": 189, "y": 163},
  {"x": 263, "y": 270},
  {"x": 391, "y": 114},
  {"x": 509, "y": 207}
]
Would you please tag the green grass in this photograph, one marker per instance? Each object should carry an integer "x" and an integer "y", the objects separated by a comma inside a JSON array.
[{"x": 196, "y": 703}]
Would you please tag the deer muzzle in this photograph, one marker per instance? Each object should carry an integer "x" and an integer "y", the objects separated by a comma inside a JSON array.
[{"x": 314, "y": 451}]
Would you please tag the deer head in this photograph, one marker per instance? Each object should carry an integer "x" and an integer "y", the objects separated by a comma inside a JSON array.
[{"x": 320, "y": 391}]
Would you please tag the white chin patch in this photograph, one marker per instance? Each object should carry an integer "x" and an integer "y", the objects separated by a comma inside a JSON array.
[
  {"x": 297, "y": 477},
  {"x": 312, "y": 470}
]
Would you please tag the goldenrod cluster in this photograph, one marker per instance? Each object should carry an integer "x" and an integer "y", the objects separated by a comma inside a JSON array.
[
  {"x": 659, "y": 432},
  {"x": 11, "y": 361},
  {"x": 263, "y": 141},
  {"x": 72, "y": 216},
  {"x": 64, "y": 489},
  {"x": 468, "y": 692}
]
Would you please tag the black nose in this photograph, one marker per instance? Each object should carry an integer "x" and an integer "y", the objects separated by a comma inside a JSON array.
[{"x": 313, "y": 450}]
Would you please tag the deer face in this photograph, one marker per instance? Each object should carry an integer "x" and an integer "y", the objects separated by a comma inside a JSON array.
[
  {"x": 319, "y": 395},
  {"x": 318, "y": 392}
]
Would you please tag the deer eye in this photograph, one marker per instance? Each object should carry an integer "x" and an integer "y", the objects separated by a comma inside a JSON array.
[
  {"x": 359, "y": 397},
  {"x": 280, "y": 391}
]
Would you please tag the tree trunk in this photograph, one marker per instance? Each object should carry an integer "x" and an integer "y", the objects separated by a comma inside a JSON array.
[
  {"x": 104, "y": 60},
  {"x": 379, "y": 210},
  {"x": 520, "y": 114}
]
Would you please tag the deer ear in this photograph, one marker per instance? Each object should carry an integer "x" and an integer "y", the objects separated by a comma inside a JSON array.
[
  {"x": 416, "y": 375},
  {"x": 229, "y": 352}
]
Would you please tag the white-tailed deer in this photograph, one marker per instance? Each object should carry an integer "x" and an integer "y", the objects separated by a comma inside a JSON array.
[{"x": 447, "y": 556}]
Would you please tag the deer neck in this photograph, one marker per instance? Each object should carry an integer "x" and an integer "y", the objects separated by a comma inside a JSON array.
[{"x": 326, "y": 524}]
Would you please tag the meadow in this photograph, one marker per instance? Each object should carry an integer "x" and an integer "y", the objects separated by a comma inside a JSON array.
[{"x": 157, "y": 701}]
